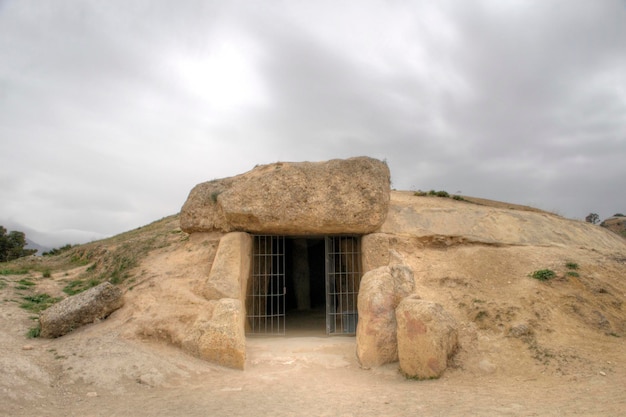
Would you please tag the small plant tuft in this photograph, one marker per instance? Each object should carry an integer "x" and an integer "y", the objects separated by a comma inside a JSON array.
[
  {"x": 214, "y": 196},
  {"x": 33, "y": 332},
  {"x": 572, "y": 274},
  {"x": 543, "y": 274},
  {"x": 46, "y": 273},
  {"x": 571, "y": 265}
]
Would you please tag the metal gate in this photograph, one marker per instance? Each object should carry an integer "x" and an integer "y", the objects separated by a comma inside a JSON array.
[
  {"x": 343, "y": 277},
  {"x": 265, "y": 295}
]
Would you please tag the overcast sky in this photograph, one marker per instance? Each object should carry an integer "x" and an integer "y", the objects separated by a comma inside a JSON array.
[{"x": 111, "y": 111}]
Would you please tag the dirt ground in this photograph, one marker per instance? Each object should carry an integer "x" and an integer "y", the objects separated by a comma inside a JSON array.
[
  {"x": 97, "y": 372},
  {"x": 528, "y": 348}
]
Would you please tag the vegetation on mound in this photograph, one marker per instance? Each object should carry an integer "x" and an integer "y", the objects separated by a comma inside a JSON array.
[
  {"x": 114, "y": 259},
  {"x": 433, "y": 193},
  {"x": 548, "y": 274},
  {"x": 38, "y": 302},
  {"x": 58, "y": 251},
  {"x": 543, "y": 274}
]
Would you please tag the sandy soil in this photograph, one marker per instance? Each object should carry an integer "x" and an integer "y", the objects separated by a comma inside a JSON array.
[
  {"x": 97, "y": 372},
  {"x": 572, "y": 361}
]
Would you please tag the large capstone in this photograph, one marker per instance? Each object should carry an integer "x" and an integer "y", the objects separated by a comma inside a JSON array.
[{"x": 337, "y": 196}]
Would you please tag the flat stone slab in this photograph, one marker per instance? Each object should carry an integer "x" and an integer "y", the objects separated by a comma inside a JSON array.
[{"x": 336, "y": 196}]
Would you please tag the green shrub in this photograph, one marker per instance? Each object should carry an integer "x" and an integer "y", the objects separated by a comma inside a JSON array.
[
  {"x": 572, "y": 274},
  {"x": 543, "y": 274},
  {"x": 57, "y": 251},
  {"x": 46, "y": 273},
  {"x": 571, "y": 265}
]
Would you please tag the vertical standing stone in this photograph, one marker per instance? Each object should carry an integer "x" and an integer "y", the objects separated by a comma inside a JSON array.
[{"x": 381, "y": 291}]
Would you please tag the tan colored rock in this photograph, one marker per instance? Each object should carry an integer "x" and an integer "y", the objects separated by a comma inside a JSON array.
[
  {"x": 222, "y": 338},
  {"x": 374, "y": 251},
  {"x": 381, "y": 291},
  {"x": 231, "y": 268},
  {"x": 427, "y": 337},
  {"x": 337, "y": 196},
  {"x": 86, "y": 307}
]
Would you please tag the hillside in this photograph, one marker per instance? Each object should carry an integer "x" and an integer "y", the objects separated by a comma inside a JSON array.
[
  {"x": 616, "y": 224},
  {"x": 528, "y": 347}
]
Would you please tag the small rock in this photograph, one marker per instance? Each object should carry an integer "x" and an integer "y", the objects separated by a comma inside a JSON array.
[
  {"x": 486, "y": 366},
  {"x": 602, "y": 373},
  {"x": 92, "y": 394},
  {"x": 27, "y": 347},
  {"x": 520, "y": 330}
]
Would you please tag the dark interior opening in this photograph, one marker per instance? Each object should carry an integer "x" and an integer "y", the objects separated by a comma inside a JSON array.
[{"x": 305, "y": 266}]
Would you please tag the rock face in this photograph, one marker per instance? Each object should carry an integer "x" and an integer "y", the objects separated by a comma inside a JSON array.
[
  {"x": 381, "y": 291},
  {"x": 231, "y": 268},
  {"x": 94, "y": 304},
  {"x": 222, "y": 338},
  {"x": 427, "y": 337},
  {"x": 337, "y": 196},
  {"x": 374, "y": 251}
]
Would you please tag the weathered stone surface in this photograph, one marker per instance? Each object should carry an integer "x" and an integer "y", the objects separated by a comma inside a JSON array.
[
  {"x": 337, "y": 196},
  {"x": 381, "y": 291},
  {"x": 374, "y": 251},
  {"x": 231, "y": 268},
  {"x": 221, "y": 339},
  {"x": 92, "y": 305},
  {"x": 427, "y": 337}
]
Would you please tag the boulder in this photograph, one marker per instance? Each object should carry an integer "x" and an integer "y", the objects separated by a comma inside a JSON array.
[
  {"x": 337, "y": 196},
  {"x": 87, "y": 307},
  {"x": 427, "y": 337},
  {"x": 380, "y": 292},
  {"x": 231, "y": 267}
]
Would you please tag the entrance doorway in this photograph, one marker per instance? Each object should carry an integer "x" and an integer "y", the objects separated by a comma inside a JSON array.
[{"x": 303, "y": 284}]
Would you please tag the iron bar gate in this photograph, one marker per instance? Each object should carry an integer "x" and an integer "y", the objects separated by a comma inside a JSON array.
[
  {"x": 265, "y": 295},
  {"x": 343, "y": 277},
  {"x": 266, "y": 292}
]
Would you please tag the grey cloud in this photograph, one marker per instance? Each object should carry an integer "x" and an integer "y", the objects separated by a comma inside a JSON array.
[{"x": 522, "y": 102}]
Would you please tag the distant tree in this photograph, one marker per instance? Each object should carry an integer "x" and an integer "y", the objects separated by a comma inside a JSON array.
[
  {"x": 618, "y": 215},
  {"x": 592, "y": 218},
  {"x": 12, "y": 245}
]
